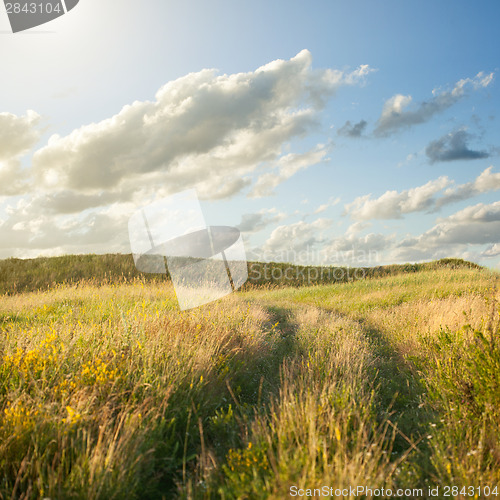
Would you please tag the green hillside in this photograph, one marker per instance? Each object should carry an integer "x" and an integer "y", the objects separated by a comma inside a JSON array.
[{"x": 26, "y": 275}]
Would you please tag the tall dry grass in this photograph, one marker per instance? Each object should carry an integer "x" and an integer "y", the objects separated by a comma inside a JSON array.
[{"x": 102, "y": 388}]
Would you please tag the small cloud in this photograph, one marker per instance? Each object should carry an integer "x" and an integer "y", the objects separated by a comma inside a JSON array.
[
  {"x": 18, "y": 134},
  {"x": 452, "y": 147},
  {"x": 354, "y": 131},
  {"x": 396, "y": 116},
  {"x": 330, "y": 203},
  {"x": 288, "y": 166},
  {"x": 252, "y": 223},
  {"x": 492, "y": 251},
  {"x": 408, "y": 159},
  {"x": 394, "y": 204},
  {"x": 296, "y": 237},
  {"x": 485, "y": 182},
  {"x": 429, "y": 197},
  {"x": 474, "y": 225}
]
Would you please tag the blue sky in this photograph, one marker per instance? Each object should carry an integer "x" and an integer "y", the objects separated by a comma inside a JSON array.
[{"x": 351, "y": 132}]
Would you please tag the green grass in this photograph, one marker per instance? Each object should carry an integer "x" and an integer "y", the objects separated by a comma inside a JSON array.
[
  {"x": 108, "y": 391},
  {"x": 43, "y": 273}
]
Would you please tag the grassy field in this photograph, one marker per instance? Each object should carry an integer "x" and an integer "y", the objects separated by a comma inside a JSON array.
[
  {"x": 27, "y": 275},
  {"x": 108, "y": 391}
]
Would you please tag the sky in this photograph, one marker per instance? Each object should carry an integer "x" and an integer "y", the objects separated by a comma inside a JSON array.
[{"x": 345, "y": 132}]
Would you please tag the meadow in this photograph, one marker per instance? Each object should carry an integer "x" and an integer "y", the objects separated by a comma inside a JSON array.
[{"x": 108, "y": 391}]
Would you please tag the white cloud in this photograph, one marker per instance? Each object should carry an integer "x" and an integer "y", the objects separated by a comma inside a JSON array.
[
  {"x": 396, "y": 115},
  {"x": 330, "y": 203},
  {"x": 479, "y": 220},
  {"x": 18, "y": 134},
  {"x": 294, "y": 238},
  {"x": 252, "y": 223},
  {"x": 367, "y": 250},
  {"x": 213, "y": 132},
  {"x": 486, "y": 181},
  {"x": 205, "y": 130},
  {"x": 310, "y": 244},
  {"x": 394, "y": 204},
  {"x": 13, "y": 179},
  {"x": 287, "y": 166},
  {"x": 474, "y": 225},
  {"x": 28, "y": 233},
  {"x": 492, "y": 251},
  {"x": 355, "y": 249}
]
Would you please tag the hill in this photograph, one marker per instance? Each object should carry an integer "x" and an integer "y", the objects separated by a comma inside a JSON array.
[{"x": 26, "y": 275}]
